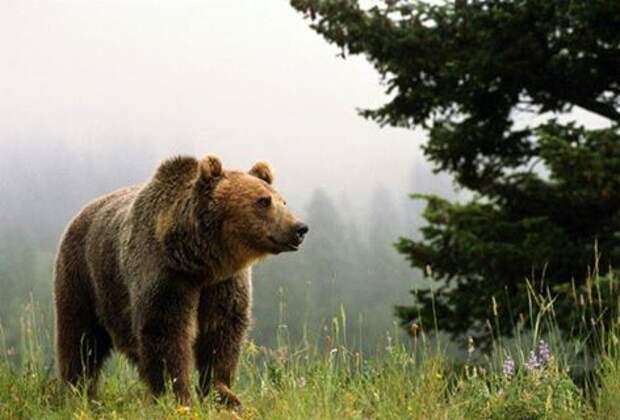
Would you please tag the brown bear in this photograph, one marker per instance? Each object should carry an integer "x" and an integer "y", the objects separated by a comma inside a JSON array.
[{"x": 161, "y": 272}]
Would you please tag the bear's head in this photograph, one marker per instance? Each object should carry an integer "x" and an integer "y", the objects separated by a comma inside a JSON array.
[
  {"x": 255, "y": 214},
  {"x": 225, "y": 216}
]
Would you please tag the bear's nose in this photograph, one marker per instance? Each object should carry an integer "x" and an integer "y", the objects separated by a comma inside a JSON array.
[{"x": 301, "y": 230}]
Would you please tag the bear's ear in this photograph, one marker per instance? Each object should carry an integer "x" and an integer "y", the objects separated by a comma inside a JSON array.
[
  {"x": 210, "y": 167},
  {"x": 262, "y": 170}
]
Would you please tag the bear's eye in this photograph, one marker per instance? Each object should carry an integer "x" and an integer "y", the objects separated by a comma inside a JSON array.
[{"x": 264, "y": 202}]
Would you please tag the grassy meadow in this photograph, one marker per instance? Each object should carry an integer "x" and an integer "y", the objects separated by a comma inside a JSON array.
[{"x": 538, "y": 374}]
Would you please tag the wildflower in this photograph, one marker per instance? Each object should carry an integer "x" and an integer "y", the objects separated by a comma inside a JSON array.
[
  {"x": 544, "y": 353},
  {"x": 509, "y": 367},
  {"x": 540, "y": 357},
  {"x": 251, "y": 348},
  {"x": 389, "y": 347},
  {"x": 470, "y": 346},
  {"x": 183, "y": 409},
  {"x": 533, "y": 362}
]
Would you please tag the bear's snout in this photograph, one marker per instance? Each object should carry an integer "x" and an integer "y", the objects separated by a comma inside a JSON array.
[
  {"x": 292, "y": 238},
  {"x": 300, "y": 232},
  {"x": 297, "y": 234}
]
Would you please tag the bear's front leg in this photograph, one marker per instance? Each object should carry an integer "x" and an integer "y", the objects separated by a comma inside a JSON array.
[
  {"x": 165, "y": 319},
  {"x": 224, "y": 317},
  {"x": 217, "y": 355}
]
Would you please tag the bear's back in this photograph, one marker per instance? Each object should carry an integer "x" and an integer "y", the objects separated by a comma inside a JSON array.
[{"x": 103, "y": 240}]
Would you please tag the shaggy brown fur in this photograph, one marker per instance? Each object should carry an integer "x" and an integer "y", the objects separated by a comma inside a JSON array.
[{"x": 162, "y": 273}]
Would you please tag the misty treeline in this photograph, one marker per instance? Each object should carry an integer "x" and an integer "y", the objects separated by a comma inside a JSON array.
[{"x": 347, "y": 267}]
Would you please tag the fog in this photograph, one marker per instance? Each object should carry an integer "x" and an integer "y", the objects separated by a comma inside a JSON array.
[
  {"x": 95, "y": 94},
  {"x": 128, "y": 83}
]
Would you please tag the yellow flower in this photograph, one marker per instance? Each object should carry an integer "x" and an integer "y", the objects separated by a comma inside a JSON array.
[
  {"x": 81, "y": 415},
  {"x": 251, "y": 348},
  {"x": 183, "y": 409}
]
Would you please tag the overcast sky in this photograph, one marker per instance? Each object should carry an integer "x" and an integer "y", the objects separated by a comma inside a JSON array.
[{"x": 245, "y": 80}]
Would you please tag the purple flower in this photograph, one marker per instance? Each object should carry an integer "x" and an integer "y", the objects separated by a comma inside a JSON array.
[
  {"x": 533, "y": 362},
  {"x": 544, "y": 353},
  {"x": 509, "y": 367},
  {"x": 540, "y": 357}
]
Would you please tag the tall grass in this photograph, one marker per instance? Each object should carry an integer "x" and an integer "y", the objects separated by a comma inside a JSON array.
[{"x": 321, "y": 377}]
